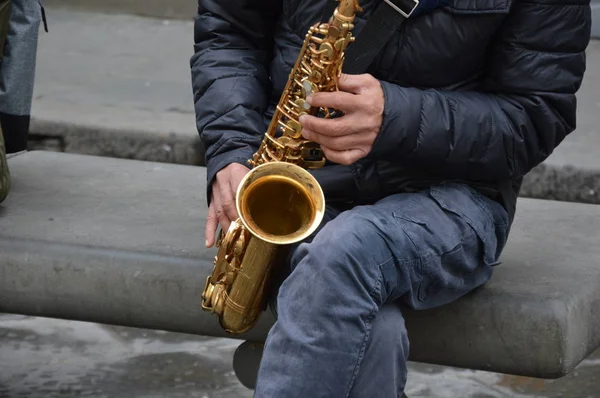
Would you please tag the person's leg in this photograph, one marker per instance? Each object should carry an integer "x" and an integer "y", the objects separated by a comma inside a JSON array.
[
  {"x": 17, "y": 73},
  {"x": 4, "y": 173},
  {"x": 5, "y": 6},
  {"x": 388, "y": 345},
  {"x": 422, "y": 250}
]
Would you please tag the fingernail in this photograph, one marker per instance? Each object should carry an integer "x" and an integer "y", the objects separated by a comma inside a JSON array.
[
  {"x": 309, "y": 99},
  {"x": 302, "y": 118},
  {"x": 206, "y": 243}
]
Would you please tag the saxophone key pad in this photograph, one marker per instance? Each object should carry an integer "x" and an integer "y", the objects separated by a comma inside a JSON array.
[
  {"x": 296, "y": 129},
  {"x": 308, "y": 87},
  {"x": 302, "y": 105}
]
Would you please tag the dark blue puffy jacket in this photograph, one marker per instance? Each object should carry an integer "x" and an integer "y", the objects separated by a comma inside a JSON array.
[{"x": 479, "y": 91}]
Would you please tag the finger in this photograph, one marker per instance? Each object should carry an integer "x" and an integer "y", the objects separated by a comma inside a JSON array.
[
  {"x": 345, "y": 158},
  {"x": 355, "y": 84},
  {"x": 234, "y": 184},
  {"x": 220, "y": 213},
  {"x": 331, "y": 127},
  {"x": 211, "y": 225},
  {"x": 227, "y": 201},
  {"x": 341, "y": 143},
  {"x": 345, "y": 102}
]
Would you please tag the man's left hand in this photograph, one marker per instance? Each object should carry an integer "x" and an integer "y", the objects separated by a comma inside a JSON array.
[{"x": 346, "y": 139}]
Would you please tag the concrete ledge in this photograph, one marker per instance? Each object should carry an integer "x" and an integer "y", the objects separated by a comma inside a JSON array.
[
  {"x": 564, "y": 183},
  {"x": 161, "y": 144},
  {"x": 103, "y": 285},
  {"x": 120, "y": 242},
  {"x": 547, "y": 181}
]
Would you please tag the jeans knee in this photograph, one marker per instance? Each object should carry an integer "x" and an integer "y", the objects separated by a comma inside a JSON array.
[
  {"x": 388, "y": 328},
  {"x": 349, "y": 247}
]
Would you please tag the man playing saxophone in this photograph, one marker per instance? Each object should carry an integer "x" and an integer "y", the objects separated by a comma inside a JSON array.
[{"x": 424, "y": 166}]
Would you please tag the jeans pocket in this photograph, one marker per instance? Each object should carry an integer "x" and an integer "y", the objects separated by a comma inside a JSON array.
[
  {"x": 452, "y": 275},
  {"x": 433, "y": 279},
  {"x": 487, "y": 218}
]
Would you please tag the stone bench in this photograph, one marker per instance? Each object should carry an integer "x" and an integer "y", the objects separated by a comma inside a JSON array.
[{"x": 120, "y": 242}]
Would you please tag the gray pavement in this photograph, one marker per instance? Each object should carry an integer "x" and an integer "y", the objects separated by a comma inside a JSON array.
[
  {"x": 50, "y": 358},
  {"x": 184, "y": 8},
  {"x": 179, "y": 9},
  {"x": 116, "y": 85}
]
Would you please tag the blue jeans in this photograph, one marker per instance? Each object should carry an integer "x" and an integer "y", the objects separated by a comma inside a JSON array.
[{"x": 339, "y": 330}]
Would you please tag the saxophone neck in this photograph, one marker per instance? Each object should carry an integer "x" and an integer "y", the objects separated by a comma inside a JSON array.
[{"x": 348, "y": 8}]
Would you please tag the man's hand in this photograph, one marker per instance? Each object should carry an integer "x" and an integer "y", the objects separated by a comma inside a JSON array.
[
  {"x": 346, "y": 139},
  {"x": 222, "y": 208}
]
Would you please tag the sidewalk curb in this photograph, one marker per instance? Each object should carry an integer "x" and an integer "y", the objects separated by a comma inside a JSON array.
[
  {"x": 170, "y": 147},
  {"x": 561, "y": 183}
]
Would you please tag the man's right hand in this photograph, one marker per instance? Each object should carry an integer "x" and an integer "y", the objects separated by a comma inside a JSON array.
[{"x": 222, "y": 208}]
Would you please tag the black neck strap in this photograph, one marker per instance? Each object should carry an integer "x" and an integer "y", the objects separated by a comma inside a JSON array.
[{"x": 381, "y": 25}]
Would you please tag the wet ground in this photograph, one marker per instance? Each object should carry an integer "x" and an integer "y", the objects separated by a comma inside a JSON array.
[{"x": 47, "y": 358}]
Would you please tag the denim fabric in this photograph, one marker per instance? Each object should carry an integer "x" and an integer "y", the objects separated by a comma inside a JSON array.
[
  {"x": 339, "y": 329},
  {"x": 4, "y": 173},
  {"x": 17, "y": 70}
]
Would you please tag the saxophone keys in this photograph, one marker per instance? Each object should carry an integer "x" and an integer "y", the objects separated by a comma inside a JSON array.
[
  {"x": 315, "y": 76},
  {"x": 333, "y": 31},
  {"x": 208, "y": 296},
  {"x": 340, "y": 44},
  {"x": 302, "y": 105},
  {"x": 218, "y": 301},
  {"x": 220, "y": 238},
  {"x": 238, "y": 248},
  {"x": 326, "y": 49},
  {"x": 308, "y": 87},
  {"x": 296, "y": 129},
  {"x": 230, "y": 277}
]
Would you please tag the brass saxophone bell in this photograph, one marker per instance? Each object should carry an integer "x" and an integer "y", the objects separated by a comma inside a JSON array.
[{"x": 280, "y": 203}]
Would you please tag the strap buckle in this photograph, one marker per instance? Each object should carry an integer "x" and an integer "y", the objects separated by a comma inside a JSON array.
[{"x": 404, "y": 7}]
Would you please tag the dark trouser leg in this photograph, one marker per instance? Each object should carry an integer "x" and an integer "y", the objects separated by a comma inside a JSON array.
[
  {"x": 418, "y": 250},
  {"x": 4, "y": 173},
  {"x": 388, "y": 344},
  {"x": 17, "y": 73}
]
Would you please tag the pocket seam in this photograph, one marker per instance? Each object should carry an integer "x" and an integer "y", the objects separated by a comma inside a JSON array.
[
  {"x": 409, "y": 219},
  {"x": 422, "y": 294},
  {"x": 434, "y": 192}
]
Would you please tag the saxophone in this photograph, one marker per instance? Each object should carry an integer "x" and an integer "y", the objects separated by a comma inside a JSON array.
[{"x": 279, "y": 202}]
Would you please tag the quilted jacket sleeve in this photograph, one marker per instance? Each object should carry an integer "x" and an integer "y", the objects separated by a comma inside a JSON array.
[
  {"x": 233, "y": 46},
  {"x": 526, "y": 108}
]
